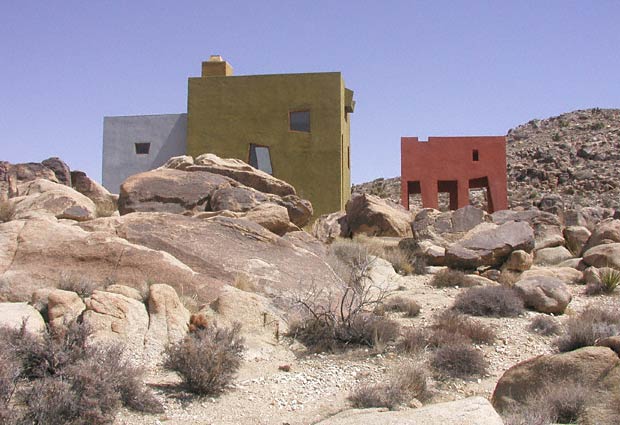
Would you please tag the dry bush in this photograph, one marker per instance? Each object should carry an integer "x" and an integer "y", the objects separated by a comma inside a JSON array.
[
  {"x": 452, "y": 278},
  {"x": 7, "y": 211},
  {"x": 399, "y": 259},
  {"x": 345, "y": 316},
  {"x": 458, "y": 361},
  {"x": 208, "y": 359},
  {"x": 243, "y": 282},
  {"x": 493, "y": 301},
  {"x": 405, "y": 385},
  {"x": 545, "y": 325},
  {"x": 82, "y": 286},
  {"x": 584, "y": 329},
  {"x": 560, "y": 402},
  {"x": 414, "y": 340},
  {"x": 402, "y": 305},
  {"x": 454, "y": 323},
  {"x": 10, "y": 370}
]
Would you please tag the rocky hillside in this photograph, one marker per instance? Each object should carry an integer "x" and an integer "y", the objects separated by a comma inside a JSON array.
[{"x": 574, "y": 155}]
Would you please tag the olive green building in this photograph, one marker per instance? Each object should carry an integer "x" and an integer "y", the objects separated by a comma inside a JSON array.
[{"x": 293, "y": 126}]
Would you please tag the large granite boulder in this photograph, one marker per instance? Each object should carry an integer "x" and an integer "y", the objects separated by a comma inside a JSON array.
[
  {"x": 606, "y": 255},
  {"x": 576, "y": 238},
  {"x": 490, "y": 246},
  {"x": 373, "y": 216},
  {"x": 608, "y": 231},
  {"x": 60, "y": 168},
  {"x": 168, "y": 190},
  {"x": 46, "y": 197},
  {"x": 568, "y": 275},
  {"x": 243, "y": 173},
  {"x": 63, "y": 307},
  {"x": 552, "y": 256},
  {"x": 519, "y": 261},
  {"x": 39, "y": 252},
  {"x": 443, "y": 228},
  {"x": 32, "y": 171},
  {"x": 544, "y": 294},
  {"x": 14, "y": 315},
  {"x": 468, "y": 411},
  {"x": 103, "y": 200},
  {"x": 220, "y": 248},
  {"x": 329, "y": 227},
  {"x": 596, "y": 368}
]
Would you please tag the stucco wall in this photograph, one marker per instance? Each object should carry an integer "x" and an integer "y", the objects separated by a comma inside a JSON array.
[
  {"x": 165, "y": 133},
  {"x": 227, "y": 114}
]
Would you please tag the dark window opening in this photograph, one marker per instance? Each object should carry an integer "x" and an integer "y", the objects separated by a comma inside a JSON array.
[
  {"x": 475, "y": 155},
  {"x": 299, "y": 121},
  {"x": 142, "y": 148},
  {"x": 260, "y": 158},
  {"x": 414, "y": 194},
  {"x": 447, "y": 194},
  {"x": 480, "y": 193},
  {"x": 349, "y": 157}
]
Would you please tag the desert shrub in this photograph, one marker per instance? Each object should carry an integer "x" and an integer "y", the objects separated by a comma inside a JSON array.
[
  {"x": 10, "y": 369},
  {"x": 610, "y": 278},
  {"x": 451, "y": 278},
  {"x": 414, "y": 340},
  {"x": 317, "y": 335},
  {"x": 402, "y": 305},
  {"x": 368, "y": 329},
  {"x": 458, "y": 361},
  {"x": 7, "y": 211},
  {"x": 454, "y": 324},
  {"x": 82, "y": 286},
  {"x": 208, "y": 359},
  {"x": 399, "y": 259},
  {"x": 560, "y": 402},
  {"x": 406, "y": 384},
  {"x": 244, "y": 283},
  {"x": 545, "y": 325},
  {"x": 494, "y": 301},
  {"x": 584, "y": 329}
]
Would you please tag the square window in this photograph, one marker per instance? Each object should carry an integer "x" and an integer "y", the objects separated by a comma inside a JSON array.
[
  {"x": 260, "y": 158},
  {"x": 299, "y": 121},
  {"x": 142, "y": 148}
]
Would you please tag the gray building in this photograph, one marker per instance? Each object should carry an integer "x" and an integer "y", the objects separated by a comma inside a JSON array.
[{"x": 134, "y": 144}]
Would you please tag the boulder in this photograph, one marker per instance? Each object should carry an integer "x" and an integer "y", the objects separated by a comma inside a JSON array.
[
  {"x": 243, "y": 173},
  {"x": 468, "y": 411},
  {"x": 606, "y": 255},
  {"x": 519, "y": 261},
  {"x": 272, "y": 217},
  {"x": 237, "y": 199},
  {"x": 103, "y": 200},
  {"x": 612, "y": 342},
  {"x": 443, "y": 228},
  {"x": 576, "y": 238},
  {"x": 373, "y": 216},
  {"x": 169, "y": 190},
  {"x": 548, "y": 236},
  {"x": 590, "y": 366},
  {"x": 63, "y": 307},
  {"x": 491, "y": 246},
  {"x": 38, "y": 252},
  {"x": 552, "y": 256},
  {"x": 60, "y": 168},
  {"x": 331, "y": 226},
  {"x": 220, "y": 248},
  {"x": 52, "y": 198},
  {"x": 552, "y": 203},
  {"x": 14, "y": 315},
  {"x": 32, "y": 171},
  {"x": 608, "y": 231},
  {"x": 127, "y": 291},
  {"x": 117, "y": 318},
  {"x": 179, "y": 162},
  {"x": 567, "y": 275},
  {"x": 299, "y": 210},
  {"x": 168, "y": 320},
  {"x": 544, "y": 294}
]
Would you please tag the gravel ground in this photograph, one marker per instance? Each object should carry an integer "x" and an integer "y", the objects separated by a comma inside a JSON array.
[{"x": 316, "y": 386}]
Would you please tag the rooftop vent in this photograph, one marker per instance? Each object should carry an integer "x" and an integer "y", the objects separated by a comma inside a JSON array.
[{"x": 216, "y": 67}]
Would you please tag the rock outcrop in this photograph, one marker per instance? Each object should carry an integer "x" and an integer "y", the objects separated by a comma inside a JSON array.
[
  {"x": 372, "y": 216},
  {"x": 544, "y": 294}
]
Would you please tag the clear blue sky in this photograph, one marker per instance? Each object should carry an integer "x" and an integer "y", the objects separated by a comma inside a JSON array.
[{"x": 418, "y": 68}]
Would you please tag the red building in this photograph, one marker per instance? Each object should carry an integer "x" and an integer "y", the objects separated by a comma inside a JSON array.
[{"x": 454, "y": 165}]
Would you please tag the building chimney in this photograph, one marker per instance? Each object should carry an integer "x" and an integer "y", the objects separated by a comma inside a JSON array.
[{"x": 216, "y": 67}]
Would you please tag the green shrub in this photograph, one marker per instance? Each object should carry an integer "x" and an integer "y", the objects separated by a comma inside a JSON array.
[
  {"x": 208, "y": 359},
  {"x": 610, "y": 278},
  {"x": 494, "y": 301}
]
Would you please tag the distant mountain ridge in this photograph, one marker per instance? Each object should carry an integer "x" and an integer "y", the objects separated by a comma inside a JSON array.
[{"x": 575, "y": 155}]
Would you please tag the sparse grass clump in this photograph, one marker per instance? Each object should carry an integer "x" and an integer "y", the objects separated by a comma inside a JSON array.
[
  {"x": 453, "y": 323},
  {"x": 458, "y": 361},
  {"x": 402, "y": 305},
  {"x": 452, "y": 278},
  {"x": 405, "y": 385},
  {"x": 545, "y": 325},
  {"x": 610, "y": 278},
  {"x": 493, "y": 301},
  {"x": 592, "y": 324},
  {"x": 7, "y": 211},
  {"x": 208, "y": 359},
  {"x": 82, "y": 286}
]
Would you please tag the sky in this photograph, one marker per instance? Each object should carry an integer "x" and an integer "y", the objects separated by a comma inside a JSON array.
[{"x": 418, "y": 68}]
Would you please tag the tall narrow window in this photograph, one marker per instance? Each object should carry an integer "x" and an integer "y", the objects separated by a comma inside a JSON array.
[
  {"x": 260, "y": 158},
  {"x": 142, "y": 148},
  {"x": 475, "y": 155},
  {"x": 299, "y": 121}
]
